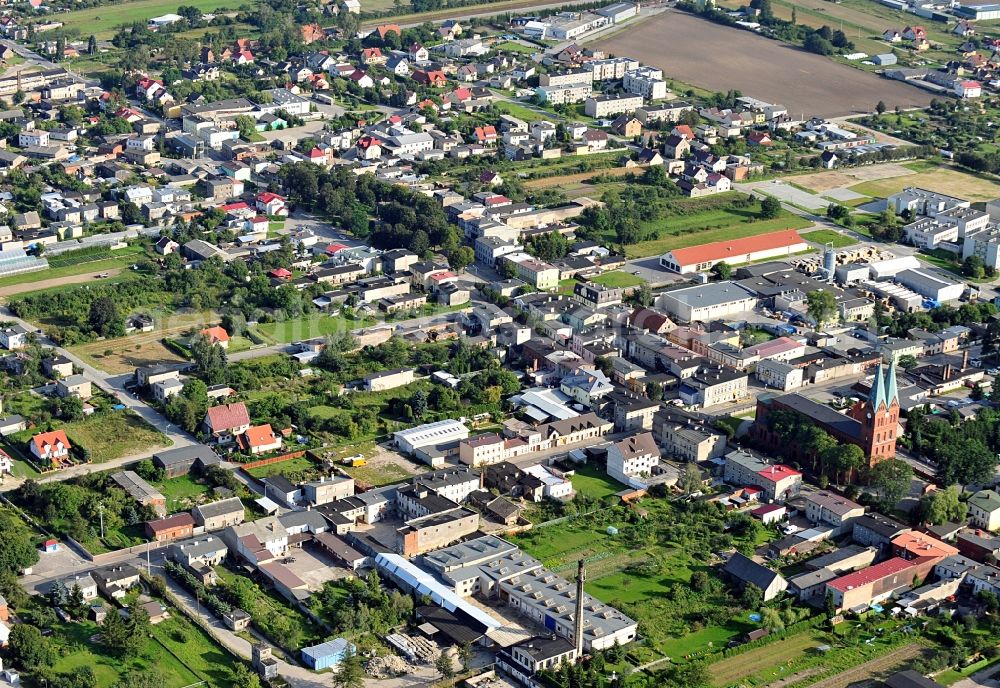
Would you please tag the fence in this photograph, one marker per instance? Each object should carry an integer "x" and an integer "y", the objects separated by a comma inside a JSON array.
[{"x": 274, "y": 459}]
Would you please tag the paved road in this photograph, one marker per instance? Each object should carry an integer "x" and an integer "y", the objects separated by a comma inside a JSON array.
[{"x": 115, "y": 387}]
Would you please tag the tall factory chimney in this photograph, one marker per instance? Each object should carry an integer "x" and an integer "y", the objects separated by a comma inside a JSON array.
[{"x": 581, "y": 576}]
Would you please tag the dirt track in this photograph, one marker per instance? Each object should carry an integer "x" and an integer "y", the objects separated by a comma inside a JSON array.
[
  {"x": 719, "y": 58},
  {"x": 15, "y": 289}
]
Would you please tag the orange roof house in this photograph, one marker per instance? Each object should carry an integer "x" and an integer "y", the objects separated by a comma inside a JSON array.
[
  {"x": 217, "y": 335},
  {"x": 50, "y": 445},
  {"x": 384, "y": 30},
  {"x": 259, "y": 439},
  {"x": 312, "y": 33},
  {"x": 705, "y": 256}
]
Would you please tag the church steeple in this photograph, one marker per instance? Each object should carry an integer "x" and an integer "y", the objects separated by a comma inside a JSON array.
[
  {"x": 891, "y": 394},
  {"x": 877, "y": 395}
]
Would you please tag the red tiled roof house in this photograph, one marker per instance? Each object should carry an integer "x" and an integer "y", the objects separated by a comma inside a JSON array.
[{"x": 226, "y": 421}]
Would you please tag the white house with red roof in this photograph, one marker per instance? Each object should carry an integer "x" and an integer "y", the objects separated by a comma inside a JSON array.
[
  {"x": 968, "y": 89},
  {"x": 486, "y": 135},
  {"x": 226, "y": 421},
  {"x": 244, "y": 57},
  {"x": 216, "y": 335},
  {"x": 6, "y": 463},
  {"x": 271, "y": 203},
  {"x": 259, "y": 439},
  {"x": 147, "y": 88},
  {"x": 369, "y": 148},
  {"x": 361, "y": 78},
  {"x": 418, "y": 53},
  {"x": 50, "y": 446}
]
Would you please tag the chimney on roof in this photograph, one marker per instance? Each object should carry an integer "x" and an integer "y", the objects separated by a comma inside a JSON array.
[
  {"x": 965, "y": 359},
  {"x": 946, "y": 373},
  {"x": 581, "y": 576}
]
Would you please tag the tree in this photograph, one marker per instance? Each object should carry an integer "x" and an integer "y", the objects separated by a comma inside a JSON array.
[
  {"x": 880, "y": 107},
  {"x": 461, "y": 257},
  {"x": 92, "y": 45},
  {"x": 104, "y": 318},
  {"x": 771, "y": 619},
  {"x": 465, "y": 656},
  {"x": 700, "y": 581},
  {"x": 690, "y": 479},
  {"x": 821, "y": 306},
  {"x": 908, "y": 361},
  {"x": 445, "y": 665},
  {"x": 723, "y": 271},
  {"x": 974, "y": 267},
  {"x": 418, "y": 403},
  {"x": 245, "y": 678},
  {"x": 17, "y": 549},
  {"x": 770, "y": 208},
  {"x": 131, "y": 215},
  {"x": 891, "y": 480},
  {"x": 644, "y": 295},
  {"x": 943, "y": 506},
  {"x": 29, "y": 648},
  {"x": 654, "y": 390},
  {"x": 752, "y": 596}
]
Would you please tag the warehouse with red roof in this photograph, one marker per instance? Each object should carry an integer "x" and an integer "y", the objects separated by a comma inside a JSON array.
[{"x": 706, "y": 256}]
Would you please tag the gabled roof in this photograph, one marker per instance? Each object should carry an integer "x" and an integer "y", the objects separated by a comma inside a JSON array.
[
  {"x": 227, "y": 416},
  {"x": 258, "y": 436},
  {"x": 748, "y": 571},
  {"x": 46, "y": 440},
  {"x": 720, "y": 250}
]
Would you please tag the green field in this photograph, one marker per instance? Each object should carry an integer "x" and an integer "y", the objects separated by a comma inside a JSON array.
[
  {"x": 308, "y": 327},
  {"x": 717, "y": 225},
  {"x": 829, "y": 236},
  {"x": 735, "y": 668},
  {"x": 202, "y": 660},
  {"x": 182, "y": 492},
  {"x": 70, "y": 270},
  {"x": 594, "y": 483},
  {"x": 511, "y": 46},
  {"x": 618, "y": 278},
  {"x": 302, "y": 463},
  {"x": 102, "y": 21},
  {"x": 519, "y": 111},
  {"x": 112, "y": 435}
]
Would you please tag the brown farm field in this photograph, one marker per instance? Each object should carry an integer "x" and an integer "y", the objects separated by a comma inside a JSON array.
[
  {"x": 770, "y": 70},
  {"x": 125, "y": 354}
]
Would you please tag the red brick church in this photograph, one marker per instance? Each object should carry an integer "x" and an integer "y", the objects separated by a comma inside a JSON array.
[{"x": 872, "y": 424}]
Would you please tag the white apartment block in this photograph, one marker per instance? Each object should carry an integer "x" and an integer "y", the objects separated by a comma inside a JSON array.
[
  {"x": 612, "y": 68},
  {"x": 577, "y": 76},
  {"x": 647, "y": 82},
  {"x": 558, "y": 95},
  {"x": 986, "y": 244},
  {"x": 612, "y": 106}
]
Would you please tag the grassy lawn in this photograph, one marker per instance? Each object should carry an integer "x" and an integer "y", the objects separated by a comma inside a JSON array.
[
  {"x": 307, "y": 327},
  {"x": 81, "y": 651},
  {"x": 69, "y": 270},
  {"x": 512, "y": 47},
  {"x": 182, "y": 640},
  {"x": 102, "y": 21},
  {"x": 519, "y": 111},
  {"x": 706, "y": 640},
  {"x": 704, "y": 220},
  {"x": 618, "y": 278},
  {"x": 182, "y": 493},
  {"x": 733, "y": 669},
  {"x": 829, "y": 236},
  {"x": 594, "y": 483},
  {"x": 114, "y": 434},
  {"x": 302, "y": 463}
]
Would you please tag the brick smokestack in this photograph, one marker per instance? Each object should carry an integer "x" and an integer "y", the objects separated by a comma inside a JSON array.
[{"x": 581, "y": 576}]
